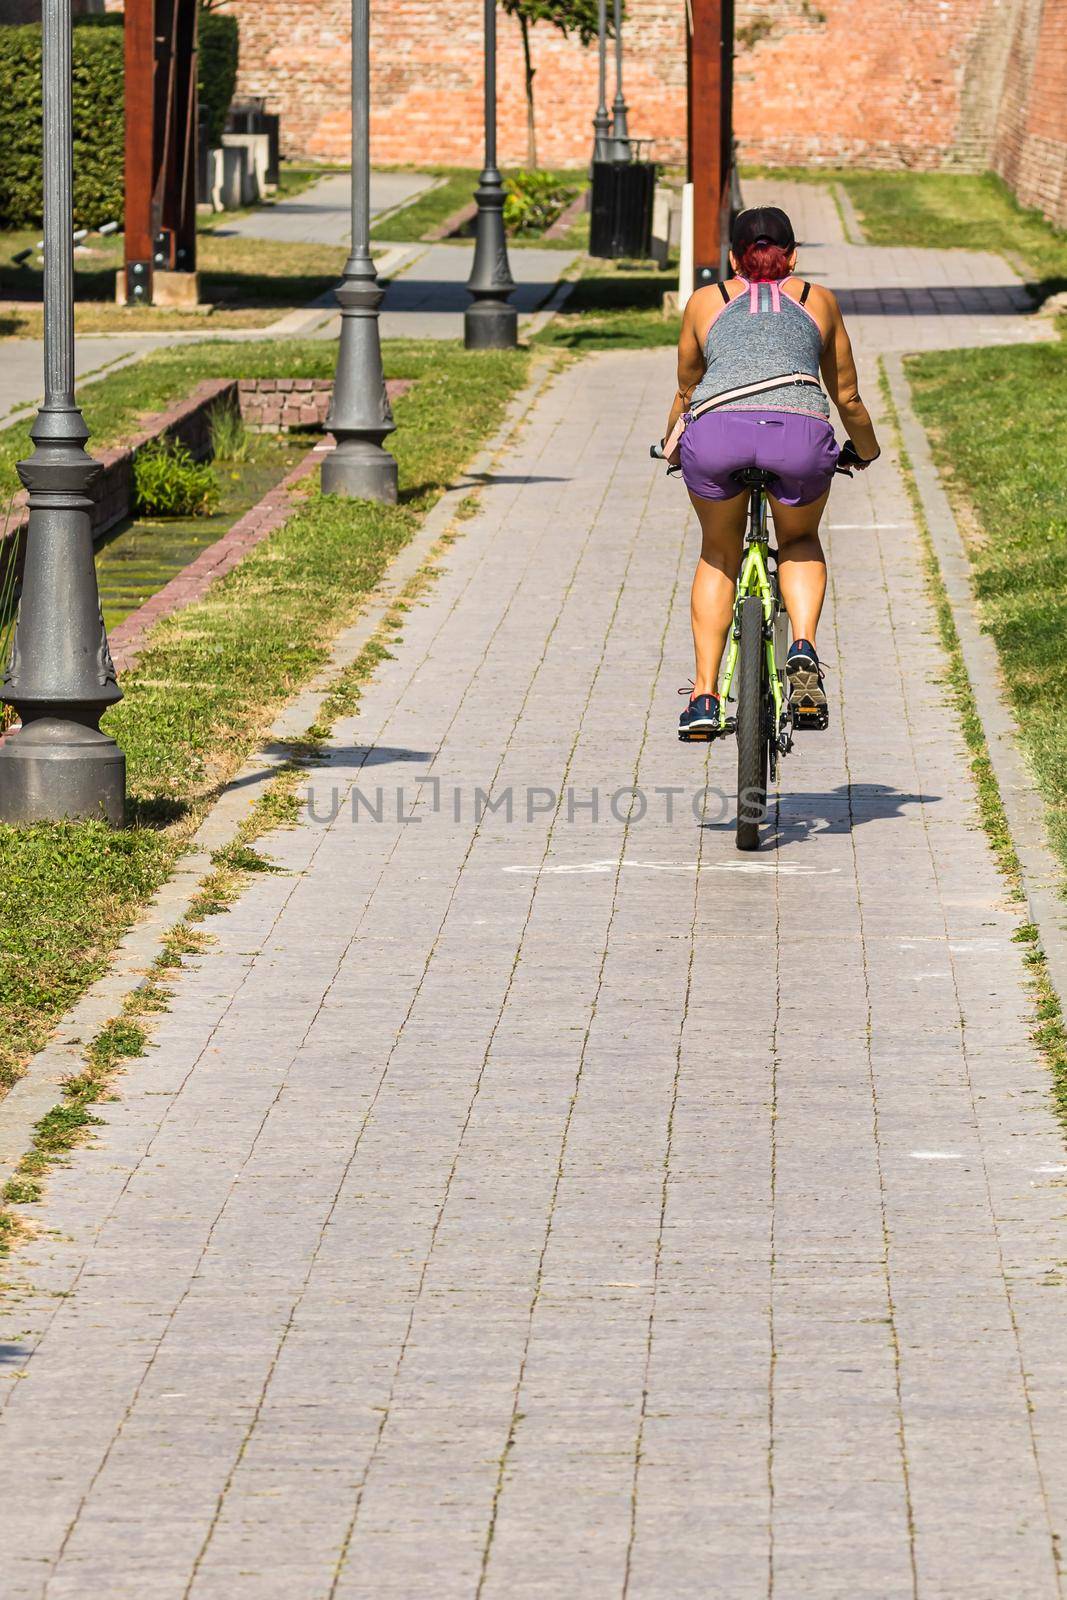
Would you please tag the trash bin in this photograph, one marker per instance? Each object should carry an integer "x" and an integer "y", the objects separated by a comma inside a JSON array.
[{"x": 620, "y": 217}]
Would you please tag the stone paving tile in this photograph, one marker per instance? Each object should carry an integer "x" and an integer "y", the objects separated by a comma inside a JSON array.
[{"x": 555, "y": 1202}]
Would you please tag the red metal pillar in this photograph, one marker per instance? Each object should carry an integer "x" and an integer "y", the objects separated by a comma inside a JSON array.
[
  {"x": 161, "y": 131},
  {"x": 710, "y": 73}
]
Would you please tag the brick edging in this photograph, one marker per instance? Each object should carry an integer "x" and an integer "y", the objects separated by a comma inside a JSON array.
[
  {"x": 452, "y": 224},
  {"x": 568, "y": 216},
  {"x": 129, "y": 638}
]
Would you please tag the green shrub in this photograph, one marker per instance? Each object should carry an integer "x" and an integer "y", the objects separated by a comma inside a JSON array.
[
  {"x": 99, "y": 127},
  {"x": 533, "y": 201},
  {"x": 99, "y": 114},
  {"x": 169, "y": 483},
  {"x": 218, "y": 69},
  {"x": 230, "y": 439}
]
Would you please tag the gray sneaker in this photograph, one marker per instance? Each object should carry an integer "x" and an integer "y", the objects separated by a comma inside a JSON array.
[{"x": 807, "y": 697}]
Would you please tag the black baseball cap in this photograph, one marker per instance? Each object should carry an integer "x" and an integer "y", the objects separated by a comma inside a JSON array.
[{"x": 761, "y": 223}]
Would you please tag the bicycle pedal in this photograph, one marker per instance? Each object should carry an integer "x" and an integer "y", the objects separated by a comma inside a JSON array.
[
  {"x": 699, "y": 736},
  {"x": 811, "y": 717}
]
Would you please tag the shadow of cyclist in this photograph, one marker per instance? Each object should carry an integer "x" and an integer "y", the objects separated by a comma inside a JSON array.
[{"x": 792, "y": 817}]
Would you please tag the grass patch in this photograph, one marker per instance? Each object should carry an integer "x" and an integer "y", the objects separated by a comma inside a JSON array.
[
  {"x": 615, "y": 306},
  {"x": 114, "y": 405},
  {"x": 1047, "y": 1029},
  {"x": 244, "y": 282},
  {"x": 995, "y": 424},
  {"x": 213, "y": 676},
  {"x": 973, "y": 211},
  {"x": 428, "y": 211}
]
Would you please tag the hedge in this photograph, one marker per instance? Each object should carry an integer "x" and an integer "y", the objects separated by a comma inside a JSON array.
[
  {"x": 218, "y": 70},
  {"x": 99, "y": 123}
]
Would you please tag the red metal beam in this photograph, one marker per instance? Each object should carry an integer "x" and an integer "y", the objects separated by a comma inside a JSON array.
[
  {"x": 140, "y": 31},
  {"x": 161, "y": 131},
  {"x": 710, "y": 72}
]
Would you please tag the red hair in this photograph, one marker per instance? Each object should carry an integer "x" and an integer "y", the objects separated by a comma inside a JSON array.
[{"x": 763, "y": 262}]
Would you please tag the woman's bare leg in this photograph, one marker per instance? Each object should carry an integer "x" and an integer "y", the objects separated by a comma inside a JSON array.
[
  {"x": 801, "y": 564},
  {"x": 722, "y": 527}
]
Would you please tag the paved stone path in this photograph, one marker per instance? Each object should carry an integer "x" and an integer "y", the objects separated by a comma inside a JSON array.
[
  {"x": 425, "y": 300},
  {"x": 322, "y": 214},
  {"x": 559, "y": 1204},
  {"x": 23, "y": 361}
]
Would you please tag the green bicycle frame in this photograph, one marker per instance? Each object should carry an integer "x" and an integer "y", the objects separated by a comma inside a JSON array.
[{"x": 754, "y": 579}]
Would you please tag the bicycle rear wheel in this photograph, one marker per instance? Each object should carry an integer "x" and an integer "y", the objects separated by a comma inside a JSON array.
[{"x": 751, "y": 725}]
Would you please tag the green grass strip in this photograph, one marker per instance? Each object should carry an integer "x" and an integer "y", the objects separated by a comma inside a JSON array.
[
  {"x": 995, "y": 422},
  {"x": 615, "y": 306},
  {"x": 214, "y": 675},
  {"x": 1047, "y": 1030},
  {"x": 939, "y": 210}
]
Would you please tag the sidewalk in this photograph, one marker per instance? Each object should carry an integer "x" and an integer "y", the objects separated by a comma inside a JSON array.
[
  {"x": 425, "y": 297},
  {"x": 561, "y": 1205},
  {"x": 322, "y": 214}
]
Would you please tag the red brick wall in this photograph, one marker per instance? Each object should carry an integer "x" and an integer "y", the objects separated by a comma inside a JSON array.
[
  {"x": 427, "y": 79},
  {"x": 1030, "y": 151},
  {"x": 853, "y": 82},
  {"x": 913, "y": 83},
  {"x": 872, "y": 81}
]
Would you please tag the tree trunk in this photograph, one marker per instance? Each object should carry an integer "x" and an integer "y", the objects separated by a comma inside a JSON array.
[{"x": 531, "y": 130}]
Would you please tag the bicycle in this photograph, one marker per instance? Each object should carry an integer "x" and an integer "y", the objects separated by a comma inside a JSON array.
[{"x": 766, "y": 719}]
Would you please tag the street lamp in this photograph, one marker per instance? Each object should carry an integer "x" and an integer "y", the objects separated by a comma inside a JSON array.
[
  {"x": 360, "y": 415},
  {"x": 602, "y": 120},
  {"x": 490, "y": 323},
  {"x": 620, "y": 136},
  {"x": 60, "y": 678}
]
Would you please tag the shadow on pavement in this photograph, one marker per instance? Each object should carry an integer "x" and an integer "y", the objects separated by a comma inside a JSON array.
[{"x": 796, "y": 816}]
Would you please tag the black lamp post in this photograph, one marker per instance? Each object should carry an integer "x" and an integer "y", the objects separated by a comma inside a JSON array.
[
  {"x": 620, "y": 136},
  {"x": 360, "y": 414},
  {"x": 489, "y": 323},
  {"x": 602, "y": 120},
  {"x": 60, "y": 678}
]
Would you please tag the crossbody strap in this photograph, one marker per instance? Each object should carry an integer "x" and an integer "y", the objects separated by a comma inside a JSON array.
[{"x": 747, "y": 389}]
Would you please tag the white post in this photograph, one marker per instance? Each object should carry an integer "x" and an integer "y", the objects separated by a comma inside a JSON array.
[{"x": 685, "y": 261}]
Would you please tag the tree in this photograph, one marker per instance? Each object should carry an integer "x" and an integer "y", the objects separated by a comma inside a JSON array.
[{"x": 569, "y": 16}]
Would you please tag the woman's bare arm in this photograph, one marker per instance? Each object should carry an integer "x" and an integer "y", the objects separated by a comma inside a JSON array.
[
  {"x": 842, "y": 385},
  {"x": 690, "y": 361}
]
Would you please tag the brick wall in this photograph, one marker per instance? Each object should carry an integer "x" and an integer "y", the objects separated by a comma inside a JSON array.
[
  {"x": 427, "y": 80},
  {"x": 1030, "y": 151},
  {"x": 872, "y": 83},
  {"x": 893, "y": 83},
  {"x": 884, "y": 82}
]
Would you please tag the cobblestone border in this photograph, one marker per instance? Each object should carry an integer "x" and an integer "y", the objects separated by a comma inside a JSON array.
[
  {"x": 40, "y": 1086},
  {"x": 1023, "y": 805}
]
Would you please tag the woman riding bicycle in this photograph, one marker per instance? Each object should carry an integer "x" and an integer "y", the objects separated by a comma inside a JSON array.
[{"x": 762, "y": 324}]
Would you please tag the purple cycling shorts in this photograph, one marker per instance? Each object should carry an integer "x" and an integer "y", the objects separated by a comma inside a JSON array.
[{"x": 798, "y": 448}]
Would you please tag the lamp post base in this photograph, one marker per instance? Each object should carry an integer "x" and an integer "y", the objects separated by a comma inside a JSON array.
[
  {"x": 362, "y": 470},
  {"x": 492, "y": 325},
  {"x": 54, "y": 770}
]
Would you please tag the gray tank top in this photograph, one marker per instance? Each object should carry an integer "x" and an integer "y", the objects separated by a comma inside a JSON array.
[{"x": 759, "y": 334}]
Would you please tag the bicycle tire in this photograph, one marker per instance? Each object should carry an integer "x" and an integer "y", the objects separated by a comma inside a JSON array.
[{"x": 751, "y": 725}]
